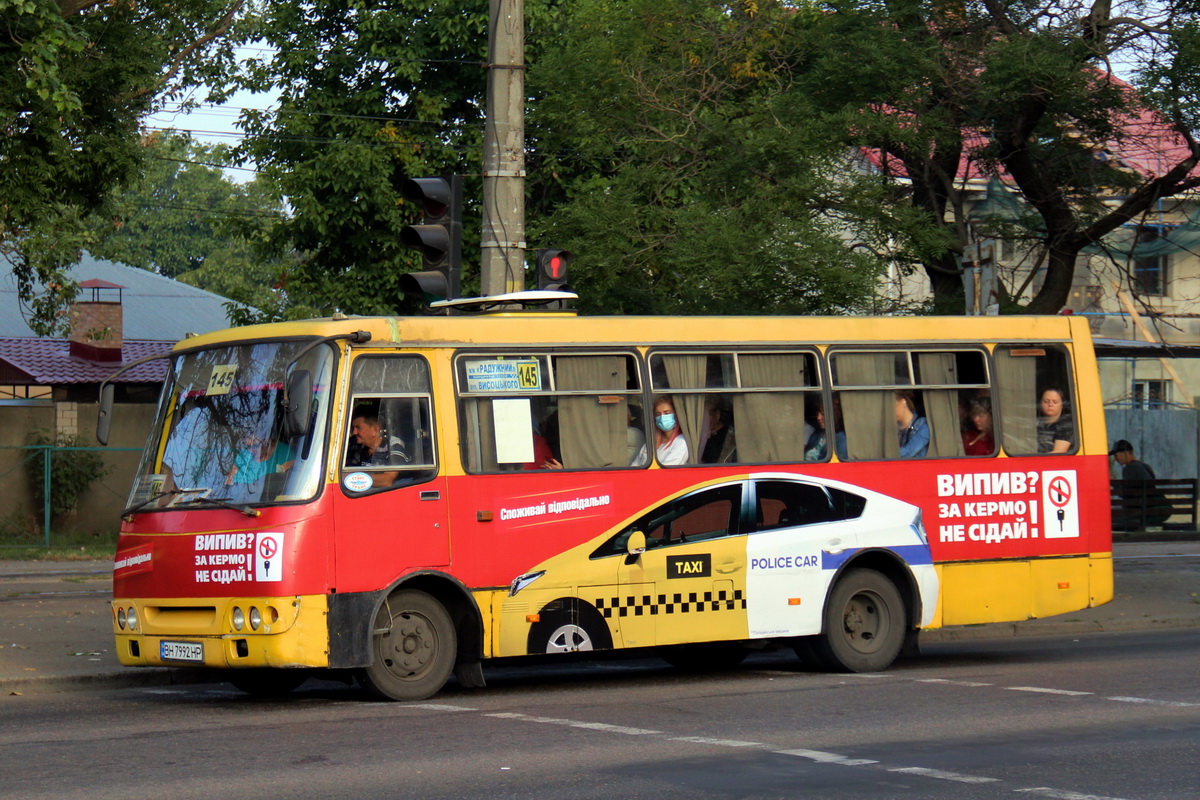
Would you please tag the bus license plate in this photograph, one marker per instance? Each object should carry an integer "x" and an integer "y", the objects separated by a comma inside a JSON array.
[{"x": 181, "y": 651}]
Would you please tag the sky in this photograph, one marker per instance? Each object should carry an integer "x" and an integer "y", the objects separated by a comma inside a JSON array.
[{"x": 212, "y": 124}]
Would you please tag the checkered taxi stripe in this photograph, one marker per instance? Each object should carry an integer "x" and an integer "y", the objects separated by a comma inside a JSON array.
[{"x": 648, "y": 605}]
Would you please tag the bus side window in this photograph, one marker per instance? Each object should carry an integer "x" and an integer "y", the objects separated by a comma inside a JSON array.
[
  {"x": 1035, "y": 397},
  {"x": 389, "y": 433}
]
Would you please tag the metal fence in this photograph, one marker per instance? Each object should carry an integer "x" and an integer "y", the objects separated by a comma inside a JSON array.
[
  {"x": 1166, "y": 439},
  {"x": 96, "y": 512}
]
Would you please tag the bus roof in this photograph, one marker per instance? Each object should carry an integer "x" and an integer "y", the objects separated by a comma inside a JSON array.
[{"x": 524, "y": 328}]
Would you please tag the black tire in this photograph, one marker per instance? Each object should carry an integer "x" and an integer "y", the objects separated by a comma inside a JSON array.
[
  {"x": 268, "y": 683},
  {"x": 705, "y": 657},
  {"x": 865, "y": 621},
  {"x": 576, "y": 628},
  {"x": 413, "y": 647}
]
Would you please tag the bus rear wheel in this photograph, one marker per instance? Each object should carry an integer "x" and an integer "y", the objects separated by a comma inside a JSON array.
[
  {"x": 413, "y": 647},
  {"x": 864, "y": 623}
]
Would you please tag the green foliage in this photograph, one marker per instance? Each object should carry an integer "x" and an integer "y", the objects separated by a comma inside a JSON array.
[
  {"x": 695, "y": 182},
  {"x": 72, "y": 472},
  {"x": 368, "y": 96},
  {"x": 184, "y": 219},
  {"x": 75, "y": 81}
]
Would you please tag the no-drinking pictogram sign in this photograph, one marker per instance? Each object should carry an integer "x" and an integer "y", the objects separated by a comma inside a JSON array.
[
  {"x": 1059, "y": 492},
  {"x": 267, "y": 548},
  {"x": 1060, "y": 505}
]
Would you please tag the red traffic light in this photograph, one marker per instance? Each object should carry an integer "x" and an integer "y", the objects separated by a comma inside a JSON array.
[{"x": 552, "y": 268}]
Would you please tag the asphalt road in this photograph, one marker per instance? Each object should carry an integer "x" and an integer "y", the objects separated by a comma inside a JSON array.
[{"x": 1113, "y": 715}]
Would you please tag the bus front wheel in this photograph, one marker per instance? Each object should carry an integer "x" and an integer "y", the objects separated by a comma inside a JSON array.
[
  {"x": 413, "y": 647},
  {"x": 864, "y": 623}
]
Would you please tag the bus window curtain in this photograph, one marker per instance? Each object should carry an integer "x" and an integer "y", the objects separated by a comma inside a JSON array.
[
  {"x": 869, "y": 417},
  {"x": 687, "y": 372},
  {"x": 941, "y": 405},
  {"x": 770, "y": 425},
  {"x": 1016, "y": 390},
  {"x": 480, "y": 436},
  {"x": 591, "y": 433}
]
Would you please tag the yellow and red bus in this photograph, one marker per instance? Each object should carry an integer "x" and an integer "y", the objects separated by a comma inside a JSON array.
[{"x": 407, "y": 498}]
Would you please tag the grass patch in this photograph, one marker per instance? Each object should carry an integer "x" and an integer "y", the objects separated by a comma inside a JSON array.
[{"x": 65, "y": 547}]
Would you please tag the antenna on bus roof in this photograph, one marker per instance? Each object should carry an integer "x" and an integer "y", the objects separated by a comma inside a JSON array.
[{"x": 529, "y": 300}]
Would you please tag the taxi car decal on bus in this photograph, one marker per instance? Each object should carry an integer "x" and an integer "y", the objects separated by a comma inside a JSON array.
[{"x": 753, "y": 556}]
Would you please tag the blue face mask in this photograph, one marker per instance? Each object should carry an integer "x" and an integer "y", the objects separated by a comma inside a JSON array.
[{"x": 665, "y": 422}]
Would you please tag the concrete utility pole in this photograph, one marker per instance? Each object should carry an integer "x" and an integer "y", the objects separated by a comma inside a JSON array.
[{"x": 502, "y": 264}]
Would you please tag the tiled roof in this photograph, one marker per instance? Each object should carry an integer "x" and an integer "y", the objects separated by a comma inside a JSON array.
[
  {"x": 1149, "y": 147},
  {"x": 48, "y": 362},
  {"x": 153, "y": 307}
]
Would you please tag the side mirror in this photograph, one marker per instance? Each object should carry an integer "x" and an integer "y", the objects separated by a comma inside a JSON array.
[
  {"x": 297, "y": 406},
  {"x": 636, "y": 544},
  {"x": 104, "y": 420}
]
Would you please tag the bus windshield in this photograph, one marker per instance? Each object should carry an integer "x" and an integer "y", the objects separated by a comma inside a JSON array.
[{"x": 220, "y": 436}]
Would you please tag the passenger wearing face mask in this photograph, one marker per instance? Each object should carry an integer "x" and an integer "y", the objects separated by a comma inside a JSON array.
[{"x": 669, "y": 445}]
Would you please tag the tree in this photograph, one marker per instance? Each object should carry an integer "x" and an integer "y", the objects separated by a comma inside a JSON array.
[
  {"x": 185, "y": 220},
  {"x": 677, "y": 155},
  {"x": 717, "y": 211},
  {"x": 76, "y": 78},
  {"x": 1019, "y": 90},
  {"x": 368, "y": 96}
]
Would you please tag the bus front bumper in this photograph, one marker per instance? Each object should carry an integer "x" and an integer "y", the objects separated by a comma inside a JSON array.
[{"x": 235, "y": 632}]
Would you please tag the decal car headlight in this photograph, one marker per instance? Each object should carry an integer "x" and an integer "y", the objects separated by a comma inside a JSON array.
[
  {"x": 131, "y": 618},
  {"x": 239, "y": 618},
  {"x": 521, "y": 581},
  {"x": 919, "y": 526},
  {"x": 255, "y": 618},
  {"x": 121, "y": 618}
]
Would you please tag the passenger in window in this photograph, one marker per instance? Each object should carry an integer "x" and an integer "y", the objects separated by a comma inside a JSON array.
[
  {"x": 911, "y": 427},
  {"x": 635, "y": 437},
  {"x": 543, "y": 456},
  {"x": 259, "y": 457},
  {"x": 719, "y": 447},
  {"x": 670, "y": 447},
  {"x": 817, "y": 447},
  {"x": 1055, "y": 428},
  {"x": 978, "y": 439},
  {"x": 373, "y": 447}
]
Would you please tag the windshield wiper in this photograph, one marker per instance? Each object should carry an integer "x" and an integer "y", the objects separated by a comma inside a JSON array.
[
  {"x": 223, "y": 503},
  {"x": 152, "y": 498}
]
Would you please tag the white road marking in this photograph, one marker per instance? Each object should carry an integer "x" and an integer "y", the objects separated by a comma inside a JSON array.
[
  {"x": 1041, "y": 690},
  {"x": 952, "y": 683},
  {"x": 1062, "y": 794},
  {"x": 441, "y": 707},
  {"x": 570, "y": 723},
  {"x": 942, "y": 775},
  {"x": 718, "y": 742},
  {"x": 1149, "y": 702},
  {"x": 826, "y": 758}
]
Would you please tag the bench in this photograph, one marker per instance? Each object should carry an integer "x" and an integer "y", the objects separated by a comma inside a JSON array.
[{"x": 1137, "y": 505}]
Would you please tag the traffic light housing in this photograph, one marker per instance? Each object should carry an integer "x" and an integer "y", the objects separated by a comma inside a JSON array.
[
  {"x": 552, "y": 269},
  {"x": 438, "y": 237}
]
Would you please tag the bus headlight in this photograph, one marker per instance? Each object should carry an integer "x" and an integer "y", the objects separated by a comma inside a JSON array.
[
  {"x": 255, "y": 618},
  {"x": 121, "y": 618},
  {"x": 239, "y": 618},
  {"x": 131, "y": 618}
]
